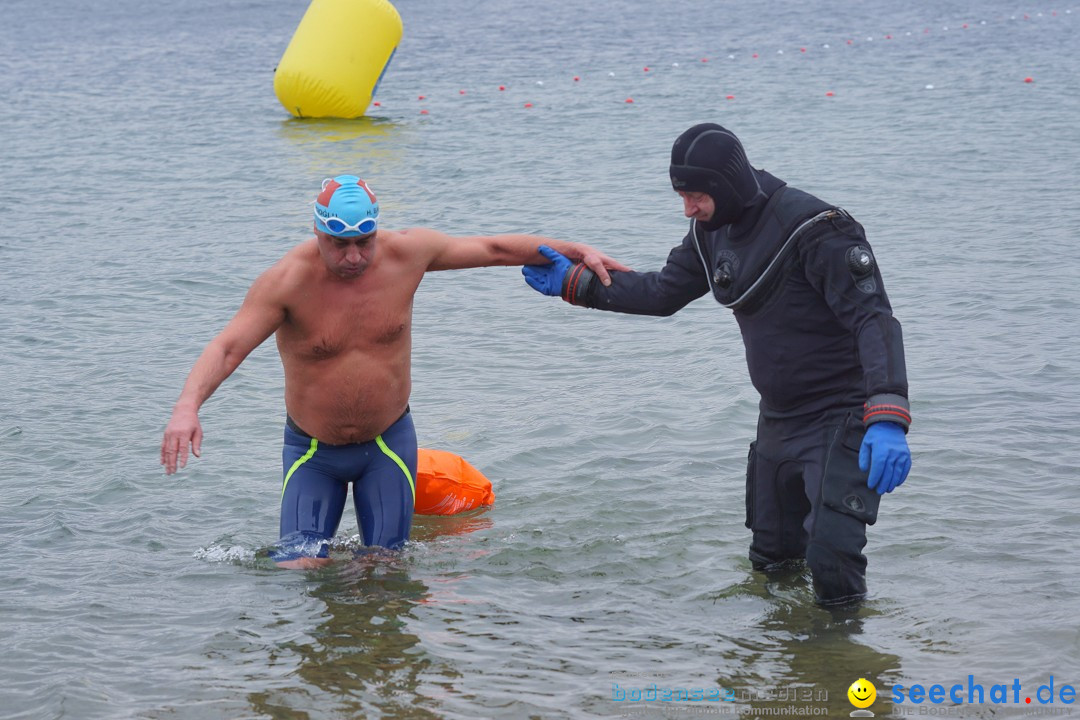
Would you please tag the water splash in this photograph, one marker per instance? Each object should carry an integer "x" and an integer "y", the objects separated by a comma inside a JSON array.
[{"x": 235, "y": 554}]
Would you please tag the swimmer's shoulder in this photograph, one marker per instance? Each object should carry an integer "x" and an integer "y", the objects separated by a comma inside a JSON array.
[
  {"x": 295, "y": 269},
  {"x": 415, "y": 243}
]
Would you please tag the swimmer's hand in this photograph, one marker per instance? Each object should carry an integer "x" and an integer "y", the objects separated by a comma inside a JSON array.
[
  {"x": 593, "y": 259},
  {"x": 885, "y": 454},
  {"x": 568, "y": 280},
  {"x": 182, "y": 431},
  {"x": 547, "y": 278}
]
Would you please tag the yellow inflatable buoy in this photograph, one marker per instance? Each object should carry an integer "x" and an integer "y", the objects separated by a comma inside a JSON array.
[
  {"x": 336, "y": 58},
  {"x": 447, "y": 484}
]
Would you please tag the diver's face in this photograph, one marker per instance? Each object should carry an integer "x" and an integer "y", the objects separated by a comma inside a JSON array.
[{"x": 697, "y": 205}]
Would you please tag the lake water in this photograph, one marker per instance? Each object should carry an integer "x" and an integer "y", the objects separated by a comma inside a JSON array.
[{"x": 149, "y": 175}]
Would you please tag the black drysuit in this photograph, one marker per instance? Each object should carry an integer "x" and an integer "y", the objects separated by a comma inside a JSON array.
[{"x": 825, "y": 353}]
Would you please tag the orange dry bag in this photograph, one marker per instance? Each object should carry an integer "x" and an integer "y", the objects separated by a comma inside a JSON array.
[{"x": 447, "y": 484}]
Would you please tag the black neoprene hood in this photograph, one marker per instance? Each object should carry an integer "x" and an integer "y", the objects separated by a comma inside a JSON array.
[{"x": 710, "y": 159}]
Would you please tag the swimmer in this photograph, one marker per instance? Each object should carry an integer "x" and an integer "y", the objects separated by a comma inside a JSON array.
[{"x": 340, "y": 305}]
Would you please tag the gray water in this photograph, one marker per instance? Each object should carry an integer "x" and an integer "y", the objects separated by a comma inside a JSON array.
[{"x": 149, "y": 175}]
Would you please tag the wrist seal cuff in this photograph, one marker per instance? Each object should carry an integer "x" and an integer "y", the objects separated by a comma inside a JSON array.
[
  {"x": 887, "y": 408},
  {"x": 577, "y": 284}
]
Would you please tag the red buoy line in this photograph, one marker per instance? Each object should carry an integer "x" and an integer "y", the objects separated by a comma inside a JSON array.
[{"x": 803, "y": 50}]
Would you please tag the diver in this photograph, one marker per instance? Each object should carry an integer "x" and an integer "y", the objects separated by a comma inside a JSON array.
[{"x": 824, "y": 351}]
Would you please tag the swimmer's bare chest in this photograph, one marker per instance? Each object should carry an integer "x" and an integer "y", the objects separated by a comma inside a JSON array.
[{"x": 346, "y": 357}]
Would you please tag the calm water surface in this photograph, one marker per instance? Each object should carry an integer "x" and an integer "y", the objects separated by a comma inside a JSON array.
[{"x": 149, "y": 175}]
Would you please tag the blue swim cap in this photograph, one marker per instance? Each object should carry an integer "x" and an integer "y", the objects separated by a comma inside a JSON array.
[{"x": 346, "y": 207}]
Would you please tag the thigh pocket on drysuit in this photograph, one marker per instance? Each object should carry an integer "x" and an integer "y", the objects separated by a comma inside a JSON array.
[
  {"x": 751, "y": 465},
  {"x": 843, "y": 486}
]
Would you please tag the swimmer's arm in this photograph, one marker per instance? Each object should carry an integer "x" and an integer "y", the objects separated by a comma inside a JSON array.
[
  {"x": 261, "y": 313},
  {"x": 453, "y": 253}
]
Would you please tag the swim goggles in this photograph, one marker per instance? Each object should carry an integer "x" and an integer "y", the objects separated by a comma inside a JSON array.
[{"x": 337, "y": 226}]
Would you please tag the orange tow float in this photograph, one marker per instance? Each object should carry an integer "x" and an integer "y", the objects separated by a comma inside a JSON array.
[{"x": 446, "y": 484}]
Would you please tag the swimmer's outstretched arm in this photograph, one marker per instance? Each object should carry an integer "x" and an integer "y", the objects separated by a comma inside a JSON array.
[
  {"x": 260, "y": 314},
  {"x": 453, "y": 253}
]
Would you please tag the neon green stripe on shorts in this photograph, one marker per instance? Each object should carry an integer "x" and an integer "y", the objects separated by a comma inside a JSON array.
[
  {"x": 303, "y": 459},
  {"x": 400, "y": 463}
]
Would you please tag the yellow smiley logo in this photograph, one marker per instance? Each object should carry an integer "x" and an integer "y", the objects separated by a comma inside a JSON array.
[{"x": 862, "y": 693}]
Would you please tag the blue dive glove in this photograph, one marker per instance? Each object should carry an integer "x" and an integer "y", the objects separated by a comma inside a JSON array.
[
  {"x": 548, "y": 278},
  {"x": 885, "y": 454}
]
